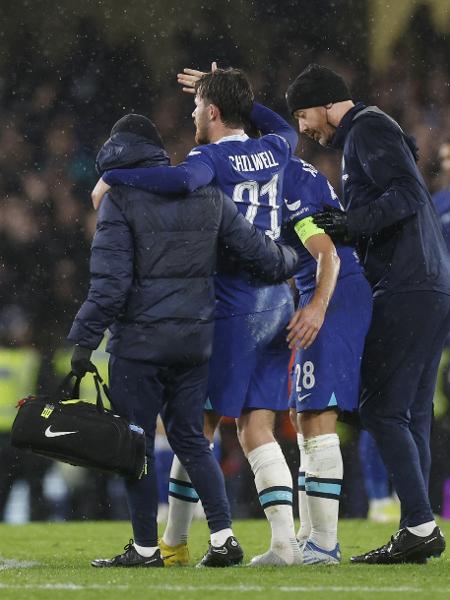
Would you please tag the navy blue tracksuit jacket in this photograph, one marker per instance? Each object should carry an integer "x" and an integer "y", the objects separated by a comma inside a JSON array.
[
  {"x": 389, "y": 207},
  {"x": 400, "y": 243}
]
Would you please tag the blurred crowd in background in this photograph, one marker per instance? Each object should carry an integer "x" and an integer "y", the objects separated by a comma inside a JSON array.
[{"x": 55, "y": 111}]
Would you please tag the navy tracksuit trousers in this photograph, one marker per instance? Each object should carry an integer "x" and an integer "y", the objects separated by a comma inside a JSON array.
[
  {"x": 398, "y": 377},
  {"x": 139, "y": 392}
]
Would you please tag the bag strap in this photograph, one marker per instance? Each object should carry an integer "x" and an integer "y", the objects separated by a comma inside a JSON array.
[
  {"x": 100, "y": 384},
  {"x": 60, "y": 394}
]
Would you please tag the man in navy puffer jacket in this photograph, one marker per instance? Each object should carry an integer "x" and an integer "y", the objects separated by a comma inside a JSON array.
[{"x": 152, "y": 267}]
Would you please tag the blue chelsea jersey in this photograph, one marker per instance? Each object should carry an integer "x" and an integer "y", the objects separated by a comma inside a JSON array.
[
  {"x": 306, "y": 192},
  {"x": 250, "y": 171}
]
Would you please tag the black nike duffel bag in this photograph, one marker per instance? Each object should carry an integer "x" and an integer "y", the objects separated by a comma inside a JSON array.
[{"x": 65, "y": 428}]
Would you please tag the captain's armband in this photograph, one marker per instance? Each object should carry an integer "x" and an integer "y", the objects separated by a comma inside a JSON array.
[{"x": 307, "y": 228}]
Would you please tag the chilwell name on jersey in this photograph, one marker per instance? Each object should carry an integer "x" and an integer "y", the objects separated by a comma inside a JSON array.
[{"x": 253, "y": 162}]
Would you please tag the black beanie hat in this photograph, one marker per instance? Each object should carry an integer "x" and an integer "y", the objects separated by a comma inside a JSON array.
[
  {"x": 139, "y": 125},
  {"x": 316, "y": 86}
]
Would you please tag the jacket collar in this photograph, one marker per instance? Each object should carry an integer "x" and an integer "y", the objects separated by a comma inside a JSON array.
[{"x": 345, "y": 125}]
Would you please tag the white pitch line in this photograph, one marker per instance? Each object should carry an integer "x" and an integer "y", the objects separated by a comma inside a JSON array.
[
  {"x": 224, "y": 588},
  {"x": 12, "y": 563}
]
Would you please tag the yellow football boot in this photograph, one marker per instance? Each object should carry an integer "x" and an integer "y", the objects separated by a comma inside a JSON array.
[{"x": 174, "y": 556}]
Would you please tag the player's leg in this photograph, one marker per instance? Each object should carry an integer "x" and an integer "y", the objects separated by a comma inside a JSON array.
[
  {"x": 326, "y": 381},
  {"x": 182, "y": 502},
  {"x": 305, "y": 523},
  {"x": 323, "y": 484},
  {"x": 136, "y": 393},
  {"x": 273, "y": 482},
  {"x": 267, "y": 393},
  {"x": 183, "y": 419}
]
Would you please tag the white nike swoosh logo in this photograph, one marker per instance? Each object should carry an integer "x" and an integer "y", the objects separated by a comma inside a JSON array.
[
  {"x": 220, "y": 550},
  {"x": 300, "y": 398},
  {"x": 49, "y": 433},
  {"x": 294, "y": 205}
]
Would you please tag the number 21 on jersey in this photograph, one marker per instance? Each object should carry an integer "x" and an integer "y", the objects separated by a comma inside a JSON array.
[{"x": 255, "y": 193}]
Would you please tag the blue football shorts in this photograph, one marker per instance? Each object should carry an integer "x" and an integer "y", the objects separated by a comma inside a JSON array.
[
  {"x": 249, "y": 365},
  {"x": 327, "y": 374}
]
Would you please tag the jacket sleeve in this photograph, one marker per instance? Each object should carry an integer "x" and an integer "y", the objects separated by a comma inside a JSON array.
[
  {"x": 386, "y": 160},
  {"x": 268, "y": 121},
  {"x": 254, "y": 251},
  {"x": 111, "y": 267}
]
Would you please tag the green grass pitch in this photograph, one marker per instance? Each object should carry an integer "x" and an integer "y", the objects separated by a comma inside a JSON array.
[{"x": 51, "y": 562}]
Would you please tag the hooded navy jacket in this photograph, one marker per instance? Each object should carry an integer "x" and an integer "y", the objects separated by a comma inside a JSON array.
[
  {"x": 153, "y": 260},
  {"x": 389, "y": 208}
]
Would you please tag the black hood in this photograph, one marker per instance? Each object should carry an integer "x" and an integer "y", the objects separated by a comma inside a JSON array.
[{"x": 126, "y": 150}]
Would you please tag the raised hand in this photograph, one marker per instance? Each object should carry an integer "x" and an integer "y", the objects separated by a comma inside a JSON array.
[{"x": 189, "y": 77}]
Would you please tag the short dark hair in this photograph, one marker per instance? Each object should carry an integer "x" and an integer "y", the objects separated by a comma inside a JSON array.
[{"x": 231, "y": 91}]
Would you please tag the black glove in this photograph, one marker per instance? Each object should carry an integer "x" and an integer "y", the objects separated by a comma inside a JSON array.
[
  {"x": 334, "y": 222},
  {"x": 81, "y": 361}
]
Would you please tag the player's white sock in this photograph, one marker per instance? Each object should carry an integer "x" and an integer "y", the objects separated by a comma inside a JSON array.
[
  {"x": 145, "y": 551},
  {"x": 305, "y": 524},
  {"x": 424, "y": 529},
  {"x": 182, "y": 501},
  {"x": 323, "y": 484},
  {"x": 218, "y": 538},
  {"x": 273, "y": 481}
]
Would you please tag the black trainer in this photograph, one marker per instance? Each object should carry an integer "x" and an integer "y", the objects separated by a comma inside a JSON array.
[
  {"x": 130, "y": 558},
  {"x": 228, "y": 555},
  {"x": 405, "y": 547}
]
